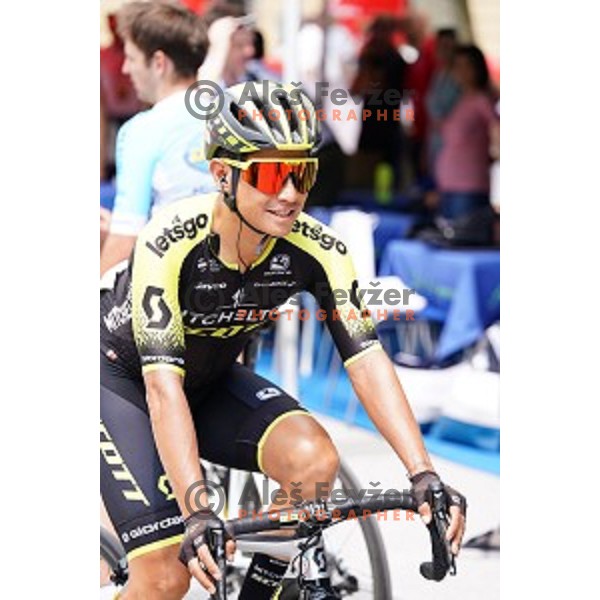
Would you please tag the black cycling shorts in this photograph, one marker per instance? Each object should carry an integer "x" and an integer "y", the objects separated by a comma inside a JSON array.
[{"x": 231, "y": 418}]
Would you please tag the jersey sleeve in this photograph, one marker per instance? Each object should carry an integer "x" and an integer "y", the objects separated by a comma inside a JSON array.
[
  {"x": 136, "y": 157},
  {"x": 160, "y": 251},
  {"x": 335, "y": 287}
]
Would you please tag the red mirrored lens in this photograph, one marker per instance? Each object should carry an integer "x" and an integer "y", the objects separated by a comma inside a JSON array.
[{"x": 270, "y": 177}]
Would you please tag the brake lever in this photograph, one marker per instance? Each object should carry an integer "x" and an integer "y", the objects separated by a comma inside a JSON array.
[
  {"x": 443, "y": 560},
  {"x": 216, "y": 545}
]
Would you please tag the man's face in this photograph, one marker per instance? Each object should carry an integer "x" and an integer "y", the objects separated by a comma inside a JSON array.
[
  {"x": 273, "y": 214},
  {"x": 141, "y": 73}
]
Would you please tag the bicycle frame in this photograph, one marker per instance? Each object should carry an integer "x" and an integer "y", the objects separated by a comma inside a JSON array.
[{"x": 309, "y": 519}]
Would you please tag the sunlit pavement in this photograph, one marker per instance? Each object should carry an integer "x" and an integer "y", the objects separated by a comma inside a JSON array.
[{"x": 407, "y": 543}]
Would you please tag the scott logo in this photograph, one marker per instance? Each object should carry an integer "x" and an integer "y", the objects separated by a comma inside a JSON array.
[
  {"x": 156, "y": 308},
  {"x": 180, "y": 230},
  {"x": 326, "y": 241}
]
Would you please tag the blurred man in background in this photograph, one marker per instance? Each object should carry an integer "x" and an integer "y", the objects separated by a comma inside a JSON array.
[
  {"x": 231, "y": 46},
  {"x": 158, "y": 152}
]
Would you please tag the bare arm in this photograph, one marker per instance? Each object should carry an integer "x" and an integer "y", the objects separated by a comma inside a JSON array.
[
  {"x": 115, "y": 249},
  {"x": 378, "y": 388},
  {"x": 495, "y": 140},
  {"x": 219, "y": 38},
  {"x": 175, "y": 435}
]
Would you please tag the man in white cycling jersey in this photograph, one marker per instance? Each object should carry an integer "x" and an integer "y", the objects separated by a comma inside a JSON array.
[{"x": 158, "y": 153}]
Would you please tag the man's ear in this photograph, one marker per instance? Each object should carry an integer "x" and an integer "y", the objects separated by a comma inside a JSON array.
[
  {"x": 220, "y": 172},
  {"x": 162, "y": 63}
]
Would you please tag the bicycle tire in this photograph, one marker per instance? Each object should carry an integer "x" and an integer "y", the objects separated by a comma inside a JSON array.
[
  {"x": 111, "y": 549},
  {"x": 382, "y": 588},
  {"x": 113, "y": 553}
]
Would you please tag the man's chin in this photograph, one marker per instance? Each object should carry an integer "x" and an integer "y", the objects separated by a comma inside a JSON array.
[{"x": 279, "y": 229}]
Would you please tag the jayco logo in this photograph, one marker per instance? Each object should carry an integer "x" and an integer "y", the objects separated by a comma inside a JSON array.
[
  {"x": 326, "y": 241},
  {"x": 180, "y": 230}
]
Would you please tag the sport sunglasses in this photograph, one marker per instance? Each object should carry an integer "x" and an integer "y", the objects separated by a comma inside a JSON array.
[{"x": 269, "y": 176}]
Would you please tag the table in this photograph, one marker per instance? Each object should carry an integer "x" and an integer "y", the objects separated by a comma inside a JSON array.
[{"x": 462, "y": 288}]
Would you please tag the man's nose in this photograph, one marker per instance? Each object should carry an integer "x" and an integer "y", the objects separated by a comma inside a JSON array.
[{"x": 288, "y": 192}]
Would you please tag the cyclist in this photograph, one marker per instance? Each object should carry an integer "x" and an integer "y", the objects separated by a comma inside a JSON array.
[
  {"x": 158, "y": 151},
  {"x": 203, "y": 277}
]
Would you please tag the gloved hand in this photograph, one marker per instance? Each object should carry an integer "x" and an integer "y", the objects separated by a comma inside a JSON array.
[
  {"x": 456, "y": 502},
  {"x": 195, "y": 553}
]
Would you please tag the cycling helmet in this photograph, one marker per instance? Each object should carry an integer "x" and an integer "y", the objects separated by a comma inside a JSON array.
[{"x": 287, "y": 120}]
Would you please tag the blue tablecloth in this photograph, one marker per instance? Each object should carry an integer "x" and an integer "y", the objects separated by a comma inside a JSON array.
[
  {"x": 107, "y": 194},
  {"x": 462, "y": 288},
  {"x": 389, "y": 226}
]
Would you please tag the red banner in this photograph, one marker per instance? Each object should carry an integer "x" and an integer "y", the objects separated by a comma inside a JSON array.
[{"x": 357, "y": 14}]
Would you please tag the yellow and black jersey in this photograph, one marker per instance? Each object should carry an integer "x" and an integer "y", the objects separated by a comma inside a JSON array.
[{"x": 178, "y": 306}]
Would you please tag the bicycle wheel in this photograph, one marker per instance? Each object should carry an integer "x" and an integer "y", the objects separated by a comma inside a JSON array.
[
  {"x": 113, "y": 564},
  {"x": 346, "y": 545},
  {"x": 355, "y": 551}
]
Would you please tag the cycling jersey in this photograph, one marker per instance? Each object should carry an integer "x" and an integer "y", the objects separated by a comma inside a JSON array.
[
  {"x": 178, "y": 306},
  {"x": 159, "y": 160}
]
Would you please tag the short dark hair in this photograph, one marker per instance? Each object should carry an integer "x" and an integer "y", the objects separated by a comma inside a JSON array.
[
  {"x": 166, "y": 26},
  {"x": 259, "y": 44},
  {"x": 475, "y": 56},
  {"x": 446, "y": 32},
  {"x": 220, "y": 11}
]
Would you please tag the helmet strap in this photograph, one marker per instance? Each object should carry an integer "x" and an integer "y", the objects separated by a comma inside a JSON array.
[{"x": 231, "y": 201}]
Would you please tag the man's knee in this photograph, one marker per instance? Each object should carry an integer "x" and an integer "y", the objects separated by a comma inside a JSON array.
[
  {"x": 301, "y": 450},
  {"x": 314, "y": 459},
  {"x": 159, "y": 574}
]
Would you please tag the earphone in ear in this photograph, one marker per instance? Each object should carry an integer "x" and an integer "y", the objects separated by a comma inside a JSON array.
[{"x": 223, "y": 180}]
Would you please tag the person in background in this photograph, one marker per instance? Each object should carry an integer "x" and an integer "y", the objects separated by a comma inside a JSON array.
[
  {"x": 470, "y": 136},
  {"x": 231, "y": 47},
  {"x": 158, "y": 151},
  {"x": 118, "y": 100},
  {"x": 256, "y": 67},
  {"x": 332, "y": 60},
  {"x": 443, "y": 93},
  {"x": 380, "y": 68},
  {"x": 419, "y": 72}
]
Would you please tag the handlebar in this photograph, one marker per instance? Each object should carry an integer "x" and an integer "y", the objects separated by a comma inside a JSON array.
[
  {"x": 309, "y": 517},
  {"x": 443, "y": 559}
]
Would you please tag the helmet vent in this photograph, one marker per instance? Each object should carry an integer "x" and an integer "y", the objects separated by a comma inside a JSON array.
[{"x": 242, "y": 116}]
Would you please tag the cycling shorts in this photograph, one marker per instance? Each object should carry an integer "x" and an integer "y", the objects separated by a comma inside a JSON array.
[{"x": 232, "y": 417}]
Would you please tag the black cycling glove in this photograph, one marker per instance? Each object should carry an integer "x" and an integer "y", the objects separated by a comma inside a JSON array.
[
  {"x": 196, "y": 527},
  {"x": 421, "y": 482}
]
